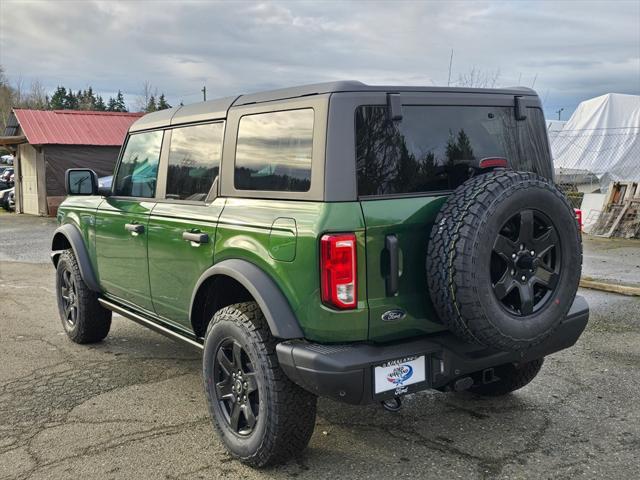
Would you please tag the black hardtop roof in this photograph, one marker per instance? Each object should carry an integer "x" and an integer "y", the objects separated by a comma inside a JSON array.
[
  {"x": 217, "y": 109},
  {"x": 356, "y": 86}
]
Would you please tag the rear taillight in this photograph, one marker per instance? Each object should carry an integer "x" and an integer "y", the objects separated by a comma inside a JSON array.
[
  {"x": 578, "y": 217},
  {"x": 338, "y": 270}
]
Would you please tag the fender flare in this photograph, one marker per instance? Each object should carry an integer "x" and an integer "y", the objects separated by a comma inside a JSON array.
[
  {"x": 74, "y": 237},
  {"x": 275, "y": 307}
]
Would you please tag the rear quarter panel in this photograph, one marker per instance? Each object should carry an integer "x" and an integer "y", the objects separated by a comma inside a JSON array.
[{"x": 244, "y": 232}]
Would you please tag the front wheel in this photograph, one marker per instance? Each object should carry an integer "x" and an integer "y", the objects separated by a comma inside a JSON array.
[
  {"x": 83, "y": 318},
  {"x": 262, "y": 417}
]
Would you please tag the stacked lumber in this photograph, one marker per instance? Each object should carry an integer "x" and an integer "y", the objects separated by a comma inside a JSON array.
[{"x": 620, "y": 215}]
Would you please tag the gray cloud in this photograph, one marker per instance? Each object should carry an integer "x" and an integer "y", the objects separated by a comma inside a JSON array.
[{"x": 574, "y": 50}]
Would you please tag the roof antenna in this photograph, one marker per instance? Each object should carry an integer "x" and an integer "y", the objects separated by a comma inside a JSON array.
[{"x": 450, "y": 63}]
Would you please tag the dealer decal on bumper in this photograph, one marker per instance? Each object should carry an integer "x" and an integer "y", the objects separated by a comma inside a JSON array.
[{"x": 398, "y": 374}]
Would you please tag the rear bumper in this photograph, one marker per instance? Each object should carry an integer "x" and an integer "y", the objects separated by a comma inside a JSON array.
[{"x": 345, "y": 372}]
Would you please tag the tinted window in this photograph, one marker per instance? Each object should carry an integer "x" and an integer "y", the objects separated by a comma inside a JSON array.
[
  {"x": 534, "y": 141},
  {"x": 274, "y": 151},
  {"x": 138, "y": 169},
  {"x": 194, "y": 161},
  {"x": 437, "y": 148}
]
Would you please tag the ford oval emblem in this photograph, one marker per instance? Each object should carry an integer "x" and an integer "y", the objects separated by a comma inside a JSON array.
[{"x": 393, "y": 315}]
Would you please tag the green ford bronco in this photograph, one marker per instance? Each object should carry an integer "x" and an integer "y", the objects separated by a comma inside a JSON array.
[{"x": 339, "y": 239}]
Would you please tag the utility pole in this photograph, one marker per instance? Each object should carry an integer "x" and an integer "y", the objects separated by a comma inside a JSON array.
[
  {"x": 450, "y": 62},
  {"x": 559, "y": 112},
  {"x": 204, "y": 93}
]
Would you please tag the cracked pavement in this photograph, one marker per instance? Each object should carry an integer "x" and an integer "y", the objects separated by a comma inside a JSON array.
[{"x": 133, "y": 407}]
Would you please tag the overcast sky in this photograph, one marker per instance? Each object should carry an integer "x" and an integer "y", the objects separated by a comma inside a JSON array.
[{"x": 572, "y": 50}]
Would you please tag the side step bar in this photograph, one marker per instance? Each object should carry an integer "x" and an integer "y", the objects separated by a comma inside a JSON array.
[{"x": 163, "y": 329}]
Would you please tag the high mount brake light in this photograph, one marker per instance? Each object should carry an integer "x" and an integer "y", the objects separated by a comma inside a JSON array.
[
  {"x": 492, "y": 162},
  {"x": 338, "y": 270}
]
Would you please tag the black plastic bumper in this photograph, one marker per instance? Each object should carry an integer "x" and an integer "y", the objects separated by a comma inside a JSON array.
[{"x": 345, "y": 372}]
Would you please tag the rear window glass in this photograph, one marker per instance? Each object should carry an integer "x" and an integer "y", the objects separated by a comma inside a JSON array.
[
  {"x": 274, "y": 151},
  {"x": 194, "y": 161},
  {"x": 437, "y": 148}
]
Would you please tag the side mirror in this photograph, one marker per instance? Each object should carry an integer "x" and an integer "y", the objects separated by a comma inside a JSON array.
[{"x": 81, "y": 181}]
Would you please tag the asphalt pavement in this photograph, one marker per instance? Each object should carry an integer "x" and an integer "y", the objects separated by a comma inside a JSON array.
[
  {"x": 133, "y": 406},
  {"x": 25, "y": 238},
  {"x": 613, "y": 260}
]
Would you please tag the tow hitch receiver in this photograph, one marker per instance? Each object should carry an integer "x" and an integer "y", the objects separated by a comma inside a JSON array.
[{"x": 392, "y": 405}]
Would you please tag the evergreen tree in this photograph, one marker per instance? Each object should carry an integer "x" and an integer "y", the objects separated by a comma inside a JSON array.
[
  {"x": 99, "y": 104},
  {"x": 112, "y": 106},
  {"x": 151, "y": 105},
  {"x": 120, "y": 105},
  {"x": 162, "y": 103},
  {"x": 70, "y": 101},
  {"x": 58, "y": 98},
  {"x": 89, "y": 99}
]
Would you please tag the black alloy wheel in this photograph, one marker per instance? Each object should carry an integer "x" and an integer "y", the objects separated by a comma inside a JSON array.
[
  {"x": 525, "y": 262},
  {"x": 236, "y": 387},
  {"x": 69, "y": 298},
  {"x": 83, "y": 318}
]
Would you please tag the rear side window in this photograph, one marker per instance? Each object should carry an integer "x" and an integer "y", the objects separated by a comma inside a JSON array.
[
  {"x": 194, "y": 161},
  {"x": 437, "y": 148},
  {"x": 274, "y": 150},
  {"x": 138, "y": 170}
]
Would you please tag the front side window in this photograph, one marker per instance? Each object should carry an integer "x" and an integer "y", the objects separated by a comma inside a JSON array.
[
  {"x": 274, "y": 150},
  {"x": 437, "y": 148},
  {"x": 194, "y": 161},
  {"x": 138, "y": 169}
]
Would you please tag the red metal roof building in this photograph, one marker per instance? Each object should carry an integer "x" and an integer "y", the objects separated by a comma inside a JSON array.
[
  {"x": 74, "y": 127},
  {"x": 48, "y": 142}
]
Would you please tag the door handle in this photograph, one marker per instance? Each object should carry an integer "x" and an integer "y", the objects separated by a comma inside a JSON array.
[
  {"x": 393, "y": 277},
  {"x": 195, "y": 237},
  {"x": 134, "y": 228}
]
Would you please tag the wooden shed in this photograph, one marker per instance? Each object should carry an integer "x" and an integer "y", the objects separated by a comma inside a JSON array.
[{"x": 48, "y": 142}]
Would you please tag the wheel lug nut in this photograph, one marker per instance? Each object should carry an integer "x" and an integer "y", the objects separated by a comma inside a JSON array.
[
  {"x": 522, "y": 246},
  {"x": 513, "y": 272},
  {"x": 523, "y": 278},
  {"x": 513, "y": 255},
  {"x": 245, "y": 384},
  {"x": 533, "y": 252},
  {"x": 245, "y": 398}
]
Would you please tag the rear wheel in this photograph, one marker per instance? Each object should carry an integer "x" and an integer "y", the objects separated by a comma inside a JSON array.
[
  {"x": 510, "y": 377},
  {"x": 83, "y": 318},
  {"x": 262, "y": 417}
]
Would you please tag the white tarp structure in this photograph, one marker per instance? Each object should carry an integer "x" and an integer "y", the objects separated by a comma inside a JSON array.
[{"x": 602, "y": 136}]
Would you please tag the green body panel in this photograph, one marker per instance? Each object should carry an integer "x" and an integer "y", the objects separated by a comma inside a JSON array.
[
  {"x": 410, "y": 219},
  {"x": 80, "y": 211},
  {"x": 283, "y": 239},
  {"x": 175, "y": 265},
  {"x": 245, "y": 232},
  {"x": 157, "y": 271},
  {"x": 121, "y": 256}
]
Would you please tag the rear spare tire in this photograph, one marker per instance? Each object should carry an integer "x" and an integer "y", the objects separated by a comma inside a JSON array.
[{"x": 504, "y": 260}]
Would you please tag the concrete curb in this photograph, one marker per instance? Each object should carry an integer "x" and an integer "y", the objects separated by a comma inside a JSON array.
[{"x": 607, "y": 286}]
